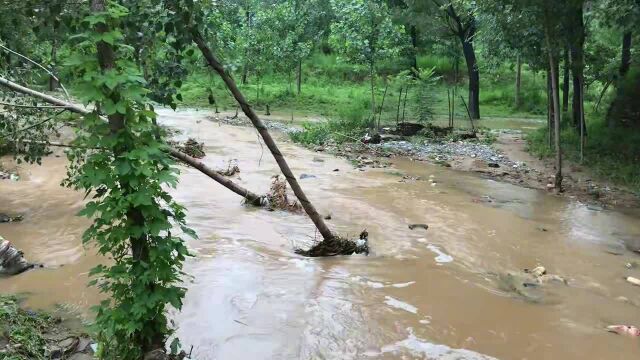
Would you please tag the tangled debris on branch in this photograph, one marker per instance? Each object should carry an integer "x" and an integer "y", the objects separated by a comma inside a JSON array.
[
  {"x": 232, "y": 169},
  {"x": 278, "y": 199},
  {"x": 338, "y": 246},
  {"x": 193, "y": 148}
]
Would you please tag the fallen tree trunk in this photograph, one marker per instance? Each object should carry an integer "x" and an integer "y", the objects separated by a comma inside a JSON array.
[
  {"x": 308, "y": 207},
  {"x": 251, "y": 197}
]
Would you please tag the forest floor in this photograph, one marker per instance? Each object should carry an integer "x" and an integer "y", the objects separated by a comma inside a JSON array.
[{"x": 506, "y": 160}]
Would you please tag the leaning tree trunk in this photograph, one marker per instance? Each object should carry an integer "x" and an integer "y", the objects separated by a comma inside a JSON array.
[
  {"x": 474, "y": 76},
  {"x": 518, "y": 80},
  {"x": 251, "y": 197},
  {"x": 311, "y": 211}
]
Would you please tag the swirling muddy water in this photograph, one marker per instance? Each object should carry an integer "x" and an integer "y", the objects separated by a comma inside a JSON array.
[{"x": 420, "y": 294}]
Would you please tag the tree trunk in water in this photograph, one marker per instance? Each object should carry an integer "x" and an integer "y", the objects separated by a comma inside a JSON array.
[
  {"x": 565, "y": 82},
  {"x": 556, "y": 119},
  {"x": 474, "y": 77},
  {"x": 311, "y": 211},
  {"x": 577, "y": 62},
  {"x": 299, "y": 78},
  {"x": 518, "y": 80},
  {"x": 53, "y": 83},
  {"x": 251, "y": 197},
  {"x": 414, "y": 47}
]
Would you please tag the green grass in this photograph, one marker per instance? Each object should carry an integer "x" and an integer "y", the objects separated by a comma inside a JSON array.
[
  {"x": 22, "y": 328},
  {"x": 331, "y": 87},
  {"x": 612, "y": 154}
]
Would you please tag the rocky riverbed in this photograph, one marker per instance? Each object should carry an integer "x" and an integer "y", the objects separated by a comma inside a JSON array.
[{"x": 490, "y": 160}]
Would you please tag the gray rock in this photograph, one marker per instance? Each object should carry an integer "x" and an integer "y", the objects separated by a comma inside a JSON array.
[{"x": 307, "y": 176}]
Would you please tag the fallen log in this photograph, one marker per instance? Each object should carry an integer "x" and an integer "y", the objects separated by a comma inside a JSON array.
[{"x": 251, "y": 197}]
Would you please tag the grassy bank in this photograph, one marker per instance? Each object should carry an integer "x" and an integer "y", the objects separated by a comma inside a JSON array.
[
  {"x": 23, "y": 331},
  {"x": 611, "y": 154},
  {"x": 331, "y": 88}
]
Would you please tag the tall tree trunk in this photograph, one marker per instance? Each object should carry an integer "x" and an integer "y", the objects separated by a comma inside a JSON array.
[
  {"x": 625, "y": 64},
  {"x": 308, "y": 207},
  {"x": 474, "y": 76},
  {"x": 414, "y": 47},
  {"x": 626, "y": 54},
  {"x": 577, "y": 61},
  {"x": 53, "y": 83},
  {"x": 518, "y": 80},
  {"x": 299, "y": 77},
  {"x": 556, "y": 116},
  {"x": 565, "y": 81},
  {"x": 139, "y": 245},
  {"x": 549, "y": 111}
]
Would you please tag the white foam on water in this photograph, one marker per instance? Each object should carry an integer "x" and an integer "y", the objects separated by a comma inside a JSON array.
[
  {"x": 403, "y": 285},
  {"x": 375, "y": 285},
  {"x": 393, "y": 302},
  {"x": 424, "y": 349},
  {"x": 442, "y": 257}
]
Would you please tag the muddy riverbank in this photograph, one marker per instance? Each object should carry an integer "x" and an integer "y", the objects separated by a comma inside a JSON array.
[
  {"x": 420, "y": 294},
  {"x": 507, "y": 160}
]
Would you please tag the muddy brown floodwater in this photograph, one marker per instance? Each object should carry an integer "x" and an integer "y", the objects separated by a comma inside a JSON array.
[{"x": 420, "y": 294}]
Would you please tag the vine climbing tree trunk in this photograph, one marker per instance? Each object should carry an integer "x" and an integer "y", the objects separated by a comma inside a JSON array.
[
  {"x": 139, "y": 244},
  {"x": 308, "y": 207}
]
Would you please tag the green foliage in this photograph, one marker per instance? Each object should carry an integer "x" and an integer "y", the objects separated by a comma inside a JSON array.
[
  {"x": 425, "y": 84},
  {"x": 127, "y": 172},
  {"x": 343, "y": 129},
  {"x": 18, "y": 326}
]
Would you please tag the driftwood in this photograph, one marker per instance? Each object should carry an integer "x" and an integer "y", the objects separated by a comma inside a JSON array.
[{"x": 250, "y": 197}]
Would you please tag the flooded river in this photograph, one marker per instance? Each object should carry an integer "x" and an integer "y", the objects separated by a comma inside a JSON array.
[{"x": 420, "y": 294}]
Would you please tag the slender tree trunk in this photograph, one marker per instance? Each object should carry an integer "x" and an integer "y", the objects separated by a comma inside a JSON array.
[
  {"x": 384, "y": 95},
  {"x": 399, "y": 102},
  {"x": 577, "y": 61},
  {"x": 549, "y": 111},
  {"x": 474, "y": 77},
  {"x": 556, "y": 116},
  {"x": 626, "y": 54},
  {"x": 311, "y": 211},
  {"x": 518, "y": 80},
  {"x": 404, "y": 104},
  {"x": 373, "y": 95},
  {"x": 565, "y": 81},
  {"x": 53, "y": 83},
  {"x": 299, "y": 77}
]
